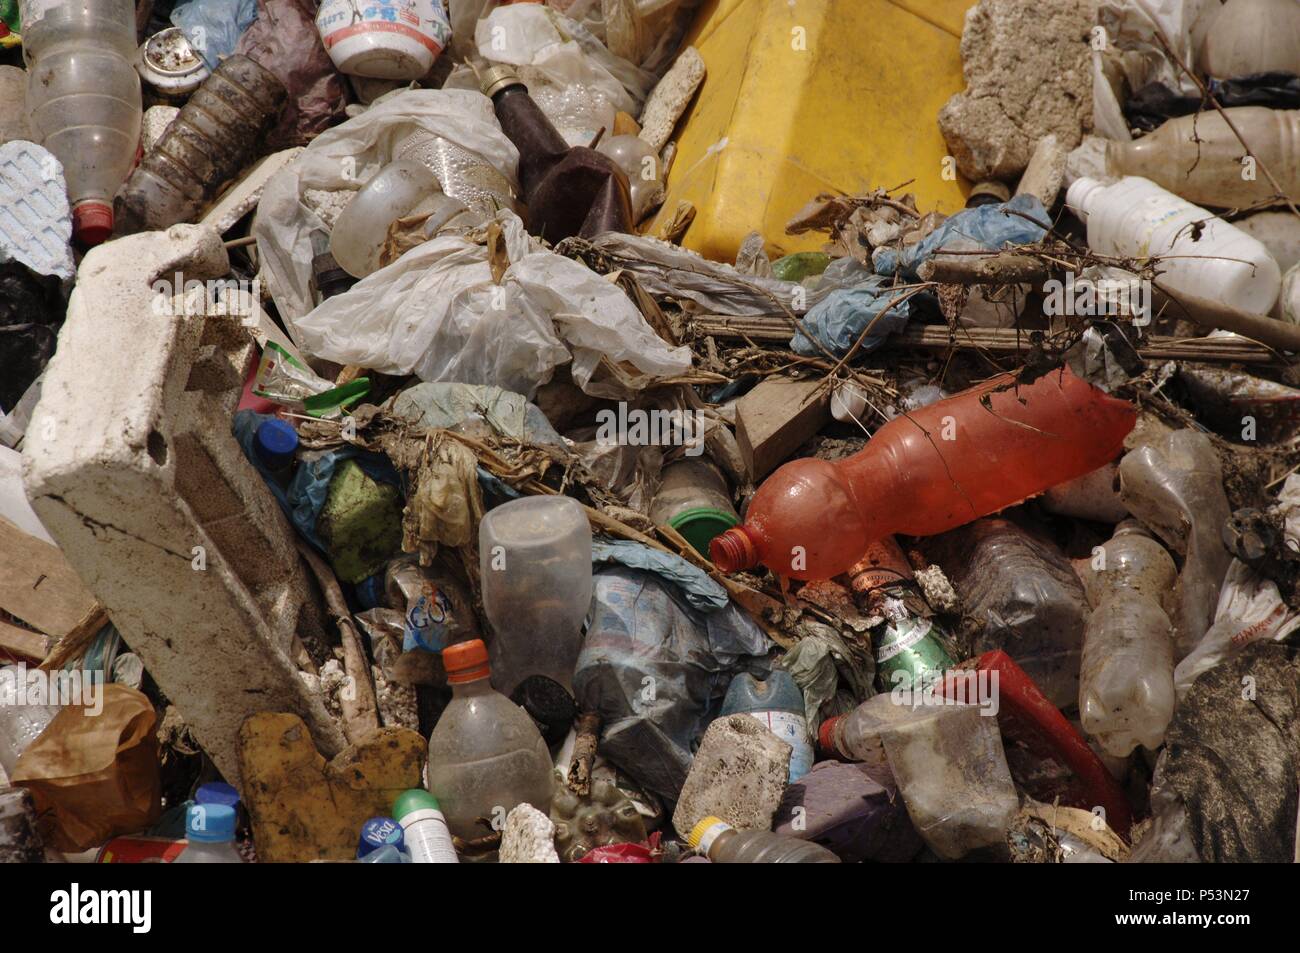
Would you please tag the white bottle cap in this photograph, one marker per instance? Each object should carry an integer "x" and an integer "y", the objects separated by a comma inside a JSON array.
[{"x": 1078, "y": 196}]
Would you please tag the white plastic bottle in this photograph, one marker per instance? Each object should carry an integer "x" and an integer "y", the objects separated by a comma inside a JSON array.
[
  {"x": 210, "y": 830},
  {"x": 1202, "y": 255},
  {"x": 83, "y": 100},
  {"x": 1126, "y": 680}
]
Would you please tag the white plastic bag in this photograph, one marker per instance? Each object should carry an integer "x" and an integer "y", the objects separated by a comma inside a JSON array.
[
  {"x": 571, "y": 76},
  {"x": 436, "y": 313},
  {"x": 345, "y": 157},
  {"x": 1250, "y": 608}
]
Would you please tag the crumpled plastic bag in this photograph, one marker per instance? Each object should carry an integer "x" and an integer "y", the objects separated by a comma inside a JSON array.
[
  {"x": 570, "y": 74},
  {"x": 837, "y": 322},
  {"x": 345, "y": 157},
  {"x": 667, "y": 270},
  {"x": 1131, "y": 27},
  {"x": 656, "y": 671},
  {"x": 987, "y": 226},
  {"x": 435, "y": 405},
  {"x": 95, "y": 776},
  {"x": 436, "y": 313},
  {"x": 1250, "y": 609},
  {"x": 214, "y": 27},
  {"x": 284, "y": 40},
  {"x": 817, "y": 663},
  {"x": 696, "y": 586}
]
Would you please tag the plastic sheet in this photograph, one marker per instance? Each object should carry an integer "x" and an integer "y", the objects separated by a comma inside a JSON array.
[
  {"x": 437, "y": 313},
  {"x": 214, "y": 27},
  {"x": 656, "y": 670}
]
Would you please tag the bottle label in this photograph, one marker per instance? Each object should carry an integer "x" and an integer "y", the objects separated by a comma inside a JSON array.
[
  {"x": 792, "y": 728},
  {"x": 883, "y": 564},
  {"x": 428, "y": 621},
  {"x": 908, "y": 650},
  {"x": 428, "y": 838},
  {"x": 711, "y": 834}
]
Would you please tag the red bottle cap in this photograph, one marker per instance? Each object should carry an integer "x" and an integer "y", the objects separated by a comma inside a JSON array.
[
  {"x": 465, "y": 661},
  {"x": 733, "y": 550},
  {"x": 826, "y": 736},
  {"x": 92, "y": 223}
]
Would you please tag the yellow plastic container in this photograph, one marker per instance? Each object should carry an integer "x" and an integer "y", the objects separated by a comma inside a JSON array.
[{"x": 809, "y": 96}]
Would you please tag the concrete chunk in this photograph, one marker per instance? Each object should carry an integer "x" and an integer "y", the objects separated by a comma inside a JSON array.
[
  {"x": 528, "y": 837},
  {"x": 1028, "y": 74},
  {"x": 739, "y": 775}
]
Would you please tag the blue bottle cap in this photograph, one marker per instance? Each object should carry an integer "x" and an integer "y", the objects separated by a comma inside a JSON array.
[
  {"x": 210, "y": 823},
  {"x": 215, "y": 792},
  {"x": 377, "y": 832},
  {"x": 276, "y": 443}
]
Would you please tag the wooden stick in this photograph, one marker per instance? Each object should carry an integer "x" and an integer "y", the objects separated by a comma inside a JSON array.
[{"x": 584, "y": 753}]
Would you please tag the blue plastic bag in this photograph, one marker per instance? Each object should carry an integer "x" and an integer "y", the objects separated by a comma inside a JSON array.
[
  {"x": 839, "y": 320},
  {"x": 213, "y": 27},
  {"x": 988, "y": 226}
]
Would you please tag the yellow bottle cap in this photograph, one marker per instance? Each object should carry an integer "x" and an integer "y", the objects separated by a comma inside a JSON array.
[{"x": 702, "y": 829}]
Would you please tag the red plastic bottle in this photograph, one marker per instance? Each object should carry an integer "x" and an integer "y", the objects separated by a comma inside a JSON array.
[{"x": 928, "y": 472}]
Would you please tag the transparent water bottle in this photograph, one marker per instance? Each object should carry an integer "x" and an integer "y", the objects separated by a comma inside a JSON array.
[
  {"x": 723, "y": 844},
  {"x": 21, "y": 722},
  {"x": 83, "y": 100},
  {"x": 535, "y": 566},
  {"x": 210, "y": 830},
  {"x": 1126, "y": 681},
  {"x": 485, "y": 754}
]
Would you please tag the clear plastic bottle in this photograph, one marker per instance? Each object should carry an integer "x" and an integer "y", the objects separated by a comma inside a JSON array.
[
  {"x": 723, "y": 844},
  {"x": 207, "y": 144},
  {"x": 777, "y": 704},
  {"x": 1202, "y": 255},
  {"x": 1199, "y": 158},
  {"x": 1022, "y": 596},
  {"x": 535, "y": 567},
  {"x": 485, "y": 754},
  {"x": 1175, "y": 486},
  {"x": 210, "y": 830},
  {"x": 1126, "y": 682},
  {"x": 927, "y": 472},
  {"x": 83, "y": 100},
  {"x": 1252, "y": 36},
  {"x": 404, "y": 187}
]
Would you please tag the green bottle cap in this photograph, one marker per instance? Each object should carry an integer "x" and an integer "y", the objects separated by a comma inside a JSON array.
[
  {"x": 416, "y": 799},
  {"x": 700, "y": 524}
]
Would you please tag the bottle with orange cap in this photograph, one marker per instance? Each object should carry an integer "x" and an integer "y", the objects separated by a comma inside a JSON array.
[{"x": 485, "y": 754}]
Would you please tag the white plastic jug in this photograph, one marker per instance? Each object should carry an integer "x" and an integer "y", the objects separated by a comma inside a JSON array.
[
  {"x": 1135, "y": 218},
  {"x": 1252, "y": 36}
]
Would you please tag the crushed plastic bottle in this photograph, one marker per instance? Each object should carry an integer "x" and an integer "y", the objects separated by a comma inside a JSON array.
[
  {"x": 485, "y": 754},
  {"x": 1175, "y": 487},
  {"x": 930, "y": 471},
  {"x": 723, "y": 844},
  {"x": 83, "y": 100},
  {"x": 206, "y": 145},
  {"x": 1022, "y": 596},
  {"x": 21, "y": 721},
  {"x": 1126, "y": 682}
]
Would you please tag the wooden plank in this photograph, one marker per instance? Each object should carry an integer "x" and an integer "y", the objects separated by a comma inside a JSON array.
[
  {"x": 23, "y": 642},
  {"x": 775, "y": 418},
  {"x": 38, "y": 586}
]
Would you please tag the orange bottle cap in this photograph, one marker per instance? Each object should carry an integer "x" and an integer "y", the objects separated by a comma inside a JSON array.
[{"x": 465, "y": 661}]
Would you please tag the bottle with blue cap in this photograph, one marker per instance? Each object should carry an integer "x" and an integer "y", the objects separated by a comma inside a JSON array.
[
  {"x": 276, "y": 443},
  {"x": 378, "y": 833},
  {"x": 210, "y": 830}
]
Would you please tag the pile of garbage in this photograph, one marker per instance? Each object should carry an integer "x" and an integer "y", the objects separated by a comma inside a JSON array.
[{"x": 458, "y": 430}]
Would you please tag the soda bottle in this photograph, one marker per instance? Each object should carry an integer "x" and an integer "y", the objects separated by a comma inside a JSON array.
[{"x": 927, "y": 472}]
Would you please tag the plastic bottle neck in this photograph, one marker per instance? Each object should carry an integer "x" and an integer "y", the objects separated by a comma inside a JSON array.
[{"x": 482, "y": 685}]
